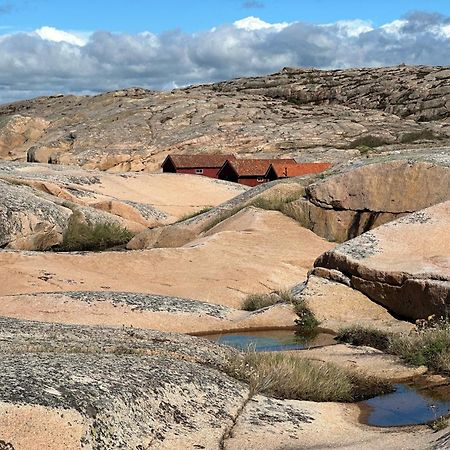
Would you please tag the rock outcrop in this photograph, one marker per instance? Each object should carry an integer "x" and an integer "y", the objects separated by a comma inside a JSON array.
[
  {"x": 308, "y": 114},
  {"x": 364, "y": 195},
  {"x": 37, "y": 201},
  {"x": 403, "y": 265}
]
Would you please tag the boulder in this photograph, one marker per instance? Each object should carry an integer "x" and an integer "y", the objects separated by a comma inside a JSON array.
[{"x": 403, "y": 265}]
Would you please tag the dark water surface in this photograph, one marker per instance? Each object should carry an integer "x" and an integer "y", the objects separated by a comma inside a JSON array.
[
  {"x": 272, "y": 340},
  {"x": 408, "y": 405}
]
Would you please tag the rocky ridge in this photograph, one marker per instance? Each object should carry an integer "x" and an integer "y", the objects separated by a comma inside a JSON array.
[{"x": 307, "y": 114}]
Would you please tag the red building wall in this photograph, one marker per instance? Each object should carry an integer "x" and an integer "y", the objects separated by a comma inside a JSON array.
[
  {"x": 251, "y": 181},
  {"x": 207, "y": 172}
]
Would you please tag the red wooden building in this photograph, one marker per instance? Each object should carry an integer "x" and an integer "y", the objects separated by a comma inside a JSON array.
[
  {"x": 207, "y": 165},
  {"x": 250, "y": 172},
  {"x": 279, "y": 169}
]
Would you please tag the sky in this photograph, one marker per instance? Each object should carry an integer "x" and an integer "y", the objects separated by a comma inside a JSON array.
[{"x": 88, "y": 46}]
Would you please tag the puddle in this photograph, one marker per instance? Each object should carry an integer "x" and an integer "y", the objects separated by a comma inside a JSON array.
[
  {"x": 408, "y": 405},
  {"x": 272, "y": 340}
]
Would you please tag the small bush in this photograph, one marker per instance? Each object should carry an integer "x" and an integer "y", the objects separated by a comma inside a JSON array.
[
  {"x": 82, "y": 236},
  {"x": 307, "y": 321},
  {"x": 370, "y": 337},
  {"x": 413, "y": 136},
  {"x": 429, "y": 347},
  {"x": 439, "y": 424},
  {"x": 288, "y": 376},
  {"x": 253, "y": 302},
  {"x": 368, "y": 141}
]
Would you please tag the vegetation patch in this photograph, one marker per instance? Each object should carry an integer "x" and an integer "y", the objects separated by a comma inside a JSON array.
[
  {"x": 83, "y": 236},
  {"x": 368, "y": 141},
  {"x": 307, "y": 322},
  {"x": 195, "y": 214},
  {"x": 370, "y": 337},
  {"x": 426, "y": 347},
  {"x": 413, "y": 136},
  {"x": 288, "y": 376},
  {"x": 253, "y": 302}
]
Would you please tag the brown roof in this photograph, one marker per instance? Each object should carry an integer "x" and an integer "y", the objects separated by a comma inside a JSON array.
[
  {"x": 294, "y": 170},
  {"x": 199, "y": 161},
  {"x": 256, "y": 167}
]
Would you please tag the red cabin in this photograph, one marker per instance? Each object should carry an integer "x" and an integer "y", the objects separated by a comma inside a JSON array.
[
  {"x": 279, "y": 169},
  {"x": 250, "y": 172},
  {"x": 207, "y": 165}
]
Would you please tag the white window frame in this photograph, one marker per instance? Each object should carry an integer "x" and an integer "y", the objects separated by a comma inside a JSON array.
[
  {"x": 260, "y": 180},
  {"x": 199, "y": 171}
]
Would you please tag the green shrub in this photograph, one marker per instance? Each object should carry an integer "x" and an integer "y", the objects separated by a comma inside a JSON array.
[
  {"x": 413, "y": 136},
  {"x": 253, "y": 302},
  {"x": 429, "y": 347},
  {"x": 307, "y": 321},
  {"x": 82, "y": 236},
  {"x": 368, "y": 141},
  {"x": 370, "y": 337},
  {"x": 288, "y": 376}
]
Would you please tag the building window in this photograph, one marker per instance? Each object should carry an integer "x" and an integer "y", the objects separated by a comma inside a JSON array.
[
  {"x": 199, "y": 171},
  {"x": 260, "y": 180}
]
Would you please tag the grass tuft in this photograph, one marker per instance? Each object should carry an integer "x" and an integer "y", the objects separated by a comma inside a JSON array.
[
  {"x": 82, "y": 236},
  {"x": 288, "y": 376},
  {"x": 368, "y": 141},
  {"x": 253, "y": 302},
  {"x": 426, "y": 347},
  {"x": 194, "y": 214},
  {"x": 360, "y": 336},
  {"x": 307, "y": 322}
]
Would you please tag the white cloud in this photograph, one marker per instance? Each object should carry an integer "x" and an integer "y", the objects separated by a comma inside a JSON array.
[
  {"x": 92, "y": 62},
  {"x": 353, "y": 28},
  {"x": 252, "y": 23},
  {"x": 55, "y": 35}
]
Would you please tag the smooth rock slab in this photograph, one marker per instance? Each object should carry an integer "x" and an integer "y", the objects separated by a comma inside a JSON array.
[{"x": 403, "y": 265}]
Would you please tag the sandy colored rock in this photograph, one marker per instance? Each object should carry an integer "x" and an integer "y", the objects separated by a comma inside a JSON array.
[
  {"x": 221, "y": 268},
  {"x": 309, "y": 114},
  {"x": 403, "y": 265},
  {"x": 269, "y": 424},
  {"x": 363, "y": 359},
  {"x": 337, "y": 306},
  {"x": 36, "y": 201},
  {"x": 163, "y": 313}
]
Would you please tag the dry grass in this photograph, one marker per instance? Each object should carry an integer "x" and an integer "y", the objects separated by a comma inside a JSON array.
[
  {"x": 195, "y": 214},
  {"x": 428, "y": 347},
  {"x": 83, "y": 236},
  {"x": 287, "y": 376},
  {"x": 253, "y": 302}
]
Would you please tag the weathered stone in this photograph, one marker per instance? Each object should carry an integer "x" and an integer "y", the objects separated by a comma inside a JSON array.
[{"x": 403, "y": 265}]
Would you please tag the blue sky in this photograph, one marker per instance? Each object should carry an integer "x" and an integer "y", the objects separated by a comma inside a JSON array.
[
  {"x": 195, "y": 15},
  {"x": 89, "y": 46}
]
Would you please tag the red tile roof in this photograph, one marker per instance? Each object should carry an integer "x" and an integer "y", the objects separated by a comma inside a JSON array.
[
  {"x": 256, "y": 167},
  {"x": 199, "y": 161},
  {"x": 294, "y": 170}
]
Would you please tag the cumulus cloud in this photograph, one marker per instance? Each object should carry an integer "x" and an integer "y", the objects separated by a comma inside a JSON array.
[{"x": 51, "y": 60}]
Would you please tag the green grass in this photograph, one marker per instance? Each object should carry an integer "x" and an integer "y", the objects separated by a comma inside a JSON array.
[
  {"x": 288, "y": 376},
  {"x": 360, "y": 336},
  {"x": 413, "y": 136},
  {"x": 83, "y": 236},
  {"x": 428, "y": 347},
  {"x": 367, "y": 142},
  {"x": 195, "y": 214},
  {"x": 307, "y": 322},
  {"x": 253, "y": 302}
]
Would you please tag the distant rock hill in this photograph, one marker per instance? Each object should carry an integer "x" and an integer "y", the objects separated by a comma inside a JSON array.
[{"x": 304, "y": 113}]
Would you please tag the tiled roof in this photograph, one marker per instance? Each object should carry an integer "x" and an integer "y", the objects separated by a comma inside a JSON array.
[
  {"x": 256, "y": 167},
  {"x": 294, "y": 170},
  {"x": 199, "y": 161}
]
